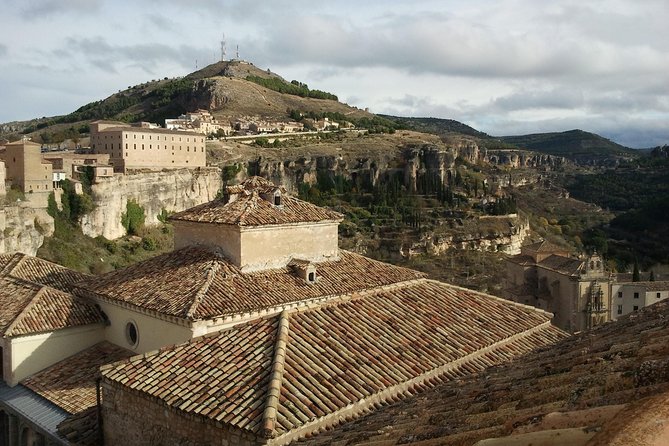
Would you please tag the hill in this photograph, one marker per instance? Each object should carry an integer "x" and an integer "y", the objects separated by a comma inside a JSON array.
[
  {"x": 577, "y": 145},
  {"x": 437, "y": 126},
  {"x": 228, "y": 89}
]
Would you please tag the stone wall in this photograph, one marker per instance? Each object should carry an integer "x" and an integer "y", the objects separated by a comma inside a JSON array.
[
  {"x": 132, "y": 419},
  {"x": 172, "y": 190}
]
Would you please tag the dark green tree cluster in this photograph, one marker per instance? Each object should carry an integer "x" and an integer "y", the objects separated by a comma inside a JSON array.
[
  {"x": 503, "y": 206},
  {"x": 295, "y": 88}
]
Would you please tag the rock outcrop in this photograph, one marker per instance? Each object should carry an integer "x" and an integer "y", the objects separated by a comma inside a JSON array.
[
  {"x": 171, "y": 190},
  {"x": 24, "y": 228}
]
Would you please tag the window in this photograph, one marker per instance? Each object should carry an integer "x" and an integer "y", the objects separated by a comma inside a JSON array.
[
  {"x": 657, "y": 295},
  {"x": 620, "y": 309},
  {"x": 620, "y": 294},
  {"x": 636, "y": 307},
  {"x": 277, "y": 200},
  {"x": 131, "y": 333},
  {"x": 312, "y": 277},
  {"x": 636, "y": 295}
]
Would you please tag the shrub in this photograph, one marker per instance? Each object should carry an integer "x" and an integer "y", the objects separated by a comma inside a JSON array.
[{"x": 133, "y": 218}]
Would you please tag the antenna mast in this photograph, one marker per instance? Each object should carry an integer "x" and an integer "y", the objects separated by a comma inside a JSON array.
[
  {"x": 237, "y": 52},
  {"x": 223, "y": 49}
]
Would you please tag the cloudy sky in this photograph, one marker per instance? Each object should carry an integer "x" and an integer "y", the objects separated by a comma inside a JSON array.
[{"x": 502, "y": 66}]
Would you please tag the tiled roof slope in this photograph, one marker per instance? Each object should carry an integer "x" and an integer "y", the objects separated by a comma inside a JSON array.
[
  {"x": 27, "y": 307},
  {"x": 590, "y": 386},
  {"x": 543, "y": 246},
  {"x": 40, "y": 271},
  {"x": 566, "y": 265},
  {"x": 251, "y": 209},
  {"x": 277, "y": 376},
  {"x": 70, "y": 383},
  {"x": 195, "y": 283}
]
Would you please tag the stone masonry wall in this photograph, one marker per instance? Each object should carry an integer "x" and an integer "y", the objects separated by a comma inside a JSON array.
[{"x": 131, "y": 419}]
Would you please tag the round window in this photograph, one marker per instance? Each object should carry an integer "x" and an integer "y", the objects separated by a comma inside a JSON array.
[{"x": 131, "y": 333}]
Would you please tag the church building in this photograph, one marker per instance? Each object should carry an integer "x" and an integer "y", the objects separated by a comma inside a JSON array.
[{"x": 256, "y": 330}]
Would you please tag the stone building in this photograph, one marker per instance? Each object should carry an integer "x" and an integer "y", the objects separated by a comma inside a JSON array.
[
  {"x": 145, "y": 146},
  {"x": 200, "y": 121},
  {"x": 575, "y": 290},
  {"x": 26, "y": 169},
  {"x": 256, "y": 329}
]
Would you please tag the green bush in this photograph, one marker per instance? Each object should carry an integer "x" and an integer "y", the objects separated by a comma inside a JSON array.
[{"x": 133, "y": 218}]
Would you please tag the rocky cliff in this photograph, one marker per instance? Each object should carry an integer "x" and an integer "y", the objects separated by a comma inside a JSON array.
[
  {"x": 172, "y": 190},
  {"x": 23, "y": 229}
]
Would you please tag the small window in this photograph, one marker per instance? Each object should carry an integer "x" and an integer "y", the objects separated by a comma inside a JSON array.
[
  {"x": 657, "y": 295},
  {"x": 620, "y": 294},
  {"x": 636, "y": 307},
  {"x": 277, "y": 200},
  {"x": 131, "y": 333},
  {"x": 312, "y": 277},
  {"x": 620, "y": 309},
  {"x": 636, "y": 295}
]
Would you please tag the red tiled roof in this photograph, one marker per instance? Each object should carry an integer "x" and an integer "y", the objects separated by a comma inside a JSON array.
[
  {"x": 251, "y": 209},
  {"x": 70, "y": 383},
  {"x": 566, "y": 265},
  {"x": 274, "y": 376},
  {"x": 34, "y": 269},
  {"x": 195, "y": 283},
  {"x": 579, "y": 384},
  {"x": 27, "y": 307}
]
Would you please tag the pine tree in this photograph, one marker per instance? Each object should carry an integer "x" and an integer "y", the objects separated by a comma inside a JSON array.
[{"x": 635, "y": 273}]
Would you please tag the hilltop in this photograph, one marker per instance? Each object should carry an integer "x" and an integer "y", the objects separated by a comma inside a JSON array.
[
  {"x": 229, "y": 89},
  {"x": 577, "y": 145}
]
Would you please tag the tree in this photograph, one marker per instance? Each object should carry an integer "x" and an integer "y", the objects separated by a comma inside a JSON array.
[
  {"x": 652, "y": 276},
  {"x": 635, "y": 272}
]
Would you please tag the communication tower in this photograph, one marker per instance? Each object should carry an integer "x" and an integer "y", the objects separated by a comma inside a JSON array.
[{"x": 223, "y": 48}]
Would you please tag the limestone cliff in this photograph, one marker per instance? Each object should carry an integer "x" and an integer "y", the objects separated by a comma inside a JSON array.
[
  {"x": 23, "y": 229},
  {"x": 172, "y": 190}
]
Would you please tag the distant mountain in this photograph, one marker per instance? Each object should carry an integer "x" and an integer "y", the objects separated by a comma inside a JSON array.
[
  {"x": 582, "y": 147},
  {"x": 436, "y": 126}
]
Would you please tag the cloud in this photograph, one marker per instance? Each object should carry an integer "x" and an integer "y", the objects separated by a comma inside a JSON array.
[
  {"x": 3, "y": 50},
  {"x": 38, "y": 9}
]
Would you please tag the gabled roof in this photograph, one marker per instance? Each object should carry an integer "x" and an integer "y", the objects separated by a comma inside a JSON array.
[
  {"x": 27, "y": 308},
  {"x": 195, "y": 283},
  {"x": 544, "y": 246},
  {"x": 565, "y": 265},
  {"x": 249, "y": 208},
  {"x": 70, "y": 383},
  {"x": 608, "y": 386},
  {"x": 34, "y": 269},
  {"x": 272, "y": 377}
]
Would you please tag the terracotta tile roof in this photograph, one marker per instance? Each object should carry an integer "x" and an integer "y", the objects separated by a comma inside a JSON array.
[
  {"x": 27, "y": 307},
  {"x": 34, "y": 269},
  {"x": 194, "y": 283},
  {"x": 521, "y": 259},
  {"x": 661, "y": 285},
  {"x": 566, "y": 265},
  {"x": 81, "y": 429},
  {"x": 70, "y": 383},
  {"x": 544, "y": 246},
  {"x": 578, "y": 385},
  {"x": 274, "y": 376},
  {"x": 251, "y": 209}
]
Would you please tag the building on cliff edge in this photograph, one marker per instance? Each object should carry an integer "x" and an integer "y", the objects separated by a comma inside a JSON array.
[
  {"x": 256, "y": 330},
  {"x": 147, "y": 146}
]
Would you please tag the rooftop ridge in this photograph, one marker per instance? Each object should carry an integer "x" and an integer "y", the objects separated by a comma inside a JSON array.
[
  {"x": 213, "y": 269},
  {"x": 15, "y": 261},
  {"x": 391, "y": 393},
  {"x": 24, "y": 311},
  {"x": 488, "y": 296},
  {"x": 276, "y": 377}
]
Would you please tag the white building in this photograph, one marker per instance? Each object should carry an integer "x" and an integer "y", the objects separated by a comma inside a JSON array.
[{"x": 627, "y": 297}]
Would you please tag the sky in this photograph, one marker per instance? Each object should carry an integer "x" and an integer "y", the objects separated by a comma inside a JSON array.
[{"x": 504, "y": 67}]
